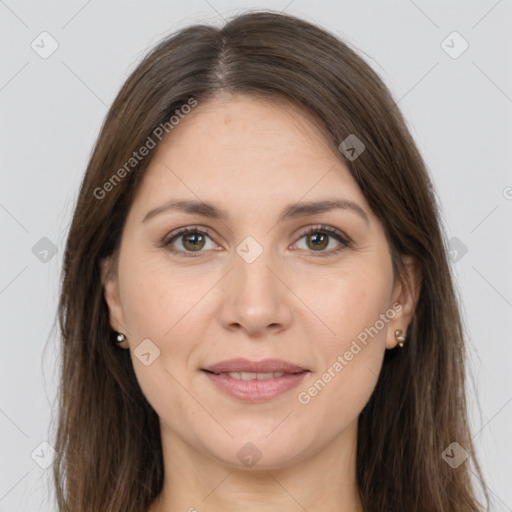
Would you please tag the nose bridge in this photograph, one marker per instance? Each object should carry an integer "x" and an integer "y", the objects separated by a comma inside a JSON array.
[
  {"x": 255, "y": 297},
  {"x": 252, "y": 275}
]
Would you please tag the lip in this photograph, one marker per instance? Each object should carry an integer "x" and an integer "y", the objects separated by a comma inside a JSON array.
[
  {"x": 264, "y": 366},
  {"x": 254, "y": 391}
]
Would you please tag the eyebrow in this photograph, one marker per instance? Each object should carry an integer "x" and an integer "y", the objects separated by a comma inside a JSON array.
[{"x": 292, "y": 211}]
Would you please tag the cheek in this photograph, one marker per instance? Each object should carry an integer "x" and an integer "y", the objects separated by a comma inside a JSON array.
[
  {"x": 350, "y": 301},
  {"x": 349, "y": 362},
  {"x": 162, "y": 317},
  {"x": 350, "y": 343},
  {"x": 336, "y": 397},
  {"x": 157, "y": 302},
  {"x": 163, "y": 309}
]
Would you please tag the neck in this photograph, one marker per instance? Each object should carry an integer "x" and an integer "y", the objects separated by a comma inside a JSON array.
[{"x": 324, "y": 481}]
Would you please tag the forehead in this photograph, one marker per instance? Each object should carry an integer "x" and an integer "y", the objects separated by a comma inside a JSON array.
[
  {"x": 248, "y": 128},
  {"x": 237, "y": 148}
]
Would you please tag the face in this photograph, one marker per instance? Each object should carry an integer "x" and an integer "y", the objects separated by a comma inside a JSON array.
[{"x": 258, "y": 276}]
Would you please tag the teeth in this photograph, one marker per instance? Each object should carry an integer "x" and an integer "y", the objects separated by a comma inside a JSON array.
[{"x": 253, "y": 376}]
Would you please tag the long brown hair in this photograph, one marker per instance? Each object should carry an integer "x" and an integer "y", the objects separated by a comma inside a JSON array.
[{"x": 108, "y": 438}]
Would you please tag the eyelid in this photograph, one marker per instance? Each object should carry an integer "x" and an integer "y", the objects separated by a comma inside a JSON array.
[
  {"x": 324, "y": 228},
  {"x": 176, "y": 233},
  {"x": 340, "y": 236}
]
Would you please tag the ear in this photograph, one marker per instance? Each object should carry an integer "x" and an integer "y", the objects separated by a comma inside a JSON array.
[
  {"x": 110, "y": 282},
  {"x": 406, "y": 293}
]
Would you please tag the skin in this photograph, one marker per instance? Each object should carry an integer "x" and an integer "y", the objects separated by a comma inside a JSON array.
[{"x": 253, "y": 158}]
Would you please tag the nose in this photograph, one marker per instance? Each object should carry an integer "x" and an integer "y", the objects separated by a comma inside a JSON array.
[{"x": 255, "y": 297}]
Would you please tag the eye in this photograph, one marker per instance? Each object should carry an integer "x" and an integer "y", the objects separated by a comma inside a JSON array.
[
  {"x": 318, "y": 238},
  {"x": 188, "y": 240}
]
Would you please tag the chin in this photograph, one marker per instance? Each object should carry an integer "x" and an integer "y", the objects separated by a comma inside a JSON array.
[{"x": 262, "y": 451}]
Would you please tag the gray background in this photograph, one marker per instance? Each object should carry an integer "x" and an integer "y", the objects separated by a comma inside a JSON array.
[{"x": 459, "y": 110}]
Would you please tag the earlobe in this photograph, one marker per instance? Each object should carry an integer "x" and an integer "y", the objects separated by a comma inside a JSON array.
[{"x": 405, "y": 293}]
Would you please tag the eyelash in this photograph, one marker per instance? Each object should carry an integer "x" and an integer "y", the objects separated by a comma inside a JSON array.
[{"x": 334, "y": 233}]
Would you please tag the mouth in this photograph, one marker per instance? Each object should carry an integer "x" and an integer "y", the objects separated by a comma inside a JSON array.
[
  {"x": 254, "y": 375},
  {"x": 241, "y": 365},
  {"x": 254, "y": 382}
]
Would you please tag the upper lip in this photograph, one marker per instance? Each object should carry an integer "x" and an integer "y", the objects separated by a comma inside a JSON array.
[{"x": 245, "y": 365}]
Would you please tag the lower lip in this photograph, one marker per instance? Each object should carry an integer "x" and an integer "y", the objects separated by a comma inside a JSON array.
[{"x": 256, "y": 390}]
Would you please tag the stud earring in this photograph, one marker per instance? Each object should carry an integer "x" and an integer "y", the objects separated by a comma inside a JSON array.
[
  {"x": 399, "y": 335},
  {"x": 120, "y": 338}
]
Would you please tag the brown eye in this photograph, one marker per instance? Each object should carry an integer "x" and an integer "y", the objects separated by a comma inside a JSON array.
[
  {"x": 318, "y": 240},
  {"x": 193, "y": 241},
  {"x": 187, "y": 241}
]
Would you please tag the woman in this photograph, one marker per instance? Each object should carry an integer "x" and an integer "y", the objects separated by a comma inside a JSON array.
[{"x": 256, "y": 308}]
